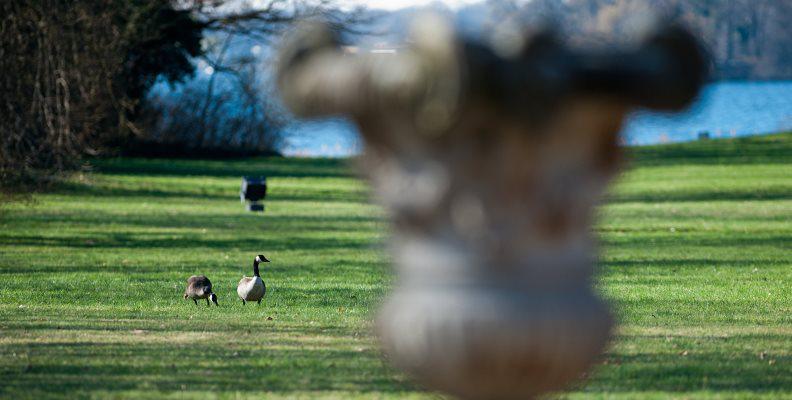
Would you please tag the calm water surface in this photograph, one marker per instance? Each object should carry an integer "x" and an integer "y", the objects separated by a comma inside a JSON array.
[{"x": 724, "y": 109}]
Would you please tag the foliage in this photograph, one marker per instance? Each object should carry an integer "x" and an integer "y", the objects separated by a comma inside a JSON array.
[
  {"x": 695, "y": 256},
  {"x": 161, "y": 41},
  {"x": 76, "y": 79},
  {"x": 227, "y": 110},
  {"x": 72, "y": 76},
  {"x": 747, "y": 38}
]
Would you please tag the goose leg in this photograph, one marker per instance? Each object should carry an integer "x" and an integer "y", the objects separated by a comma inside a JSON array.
[
  {"x": 207, "y": 302},
  {"x": 259, "y": 302},
  {"x": 243, "y": 302},
  {"x": 195, "y": 301}
]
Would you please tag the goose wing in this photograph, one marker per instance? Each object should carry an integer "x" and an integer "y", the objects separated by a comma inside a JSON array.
[
  {"x": 199, "y": 284},
  {"x": 244, "y": 287},
  {"x": 251, "y": 289}
]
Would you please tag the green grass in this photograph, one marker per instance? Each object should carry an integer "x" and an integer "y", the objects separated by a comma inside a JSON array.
[{"x": 696, "y": 257}]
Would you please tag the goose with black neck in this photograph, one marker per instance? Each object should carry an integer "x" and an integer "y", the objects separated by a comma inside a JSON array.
[{"x": 252, "y": 288}]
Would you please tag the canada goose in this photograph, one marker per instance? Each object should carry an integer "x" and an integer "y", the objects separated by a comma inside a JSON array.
[
  {"x": 252, "y": 288},
  {"x": 199, "y": 287}
]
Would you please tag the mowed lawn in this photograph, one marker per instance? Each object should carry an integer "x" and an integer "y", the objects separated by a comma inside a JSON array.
[{"x": 696, "y": 258}]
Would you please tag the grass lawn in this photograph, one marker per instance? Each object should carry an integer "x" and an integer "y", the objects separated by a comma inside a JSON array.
[{"x": 696, "y": 257}]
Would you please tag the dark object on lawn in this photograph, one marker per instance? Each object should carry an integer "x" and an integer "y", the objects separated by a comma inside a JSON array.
[
  {"x": 490, "y": 160},
  {"x": 199, "y": 287},
  {"x": 254, "y": 189}
]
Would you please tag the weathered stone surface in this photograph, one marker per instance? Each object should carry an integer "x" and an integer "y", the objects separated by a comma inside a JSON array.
[{"x": 490, "y": 165}]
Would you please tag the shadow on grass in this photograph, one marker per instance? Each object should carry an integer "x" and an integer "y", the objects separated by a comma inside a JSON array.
[
  {"x": 675, "y": 242},
  {"x": 252, "y": 363},
  {"x": 672, "y": 372},
  {"x": 775, "y": 148},
  {"x": 182, "y": 323},
  {"x": 764, "y": 149},
  {"x": 145, "y": 271},
  {"x": 83, "y": 189},
  {"x": 748, "y": 150},
  {"x": 235, "y": 223},
  {"x": 270, "y": 167},
  {"x": 241, "y": 223},
  {"x": 155, "y": 241},
  {"x": 701, "y": 195},
  {"x": 683, "y": 264},
  {"x": 259, "y": 365}
]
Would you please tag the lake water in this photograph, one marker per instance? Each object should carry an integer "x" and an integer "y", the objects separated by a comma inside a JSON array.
[{"x": 724, "y": 109}]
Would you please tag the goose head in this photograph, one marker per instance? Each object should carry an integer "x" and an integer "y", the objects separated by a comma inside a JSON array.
[
  {"x": 213, "y": 297},
  {"x": 260, "y": 258}
]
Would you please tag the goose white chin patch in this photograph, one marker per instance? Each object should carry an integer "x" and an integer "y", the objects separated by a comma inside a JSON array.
[{"x": 258, "y": 259}]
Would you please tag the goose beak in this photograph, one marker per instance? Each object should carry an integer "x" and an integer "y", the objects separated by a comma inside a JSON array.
[{"x": 214, "y": 299}]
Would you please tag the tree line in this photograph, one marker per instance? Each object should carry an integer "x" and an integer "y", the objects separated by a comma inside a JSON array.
[
  {"x": 76, "y": 80},
  {"x": 747, "y": 39},
  {"x": 79, "y": 78},
  {"x": 73, "y": 75}
]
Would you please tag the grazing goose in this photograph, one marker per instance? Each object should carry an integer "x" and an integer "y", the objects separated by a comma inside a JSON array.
[
  {"x": 199, "y": 287},
  {"x": 252, "y": 288}
]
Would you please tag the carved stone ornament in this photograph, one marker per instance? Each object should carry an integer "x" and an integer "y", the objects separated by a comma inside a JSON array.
[{"x": 489, "y": 160}]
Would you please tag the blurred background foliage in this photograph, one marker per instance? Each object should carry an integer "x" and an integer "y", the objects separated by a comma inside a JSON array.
[
  {"x": 748, "y": 39},
  {"x": 74, "y": 75},
  {"x": 77, "y": 80},
  {"x": 188, "y": 77}
]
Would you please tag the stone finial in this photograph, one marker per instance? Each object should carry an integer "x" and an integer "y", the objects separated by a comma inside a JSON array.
[{"x": 489, "y": 163}]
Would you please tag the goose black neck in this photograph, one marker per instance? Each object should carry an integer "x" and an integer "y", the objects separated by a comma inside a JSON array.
[{"x": 255, "y": 268}]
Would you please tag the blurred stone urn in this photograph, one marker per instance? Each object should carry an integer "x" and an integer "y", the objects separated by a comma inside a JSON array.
[{"x": 490, "y": 160}]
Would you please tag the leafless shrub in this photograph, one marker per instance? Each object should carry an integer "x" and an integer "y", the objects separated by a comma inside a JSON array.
[{"x": 55, "y": 85}]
